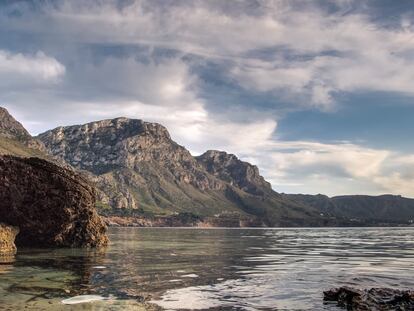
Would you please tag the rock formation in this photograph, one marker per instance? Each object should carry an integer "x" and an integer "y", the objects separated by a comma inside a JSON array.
[
  {"x": 381, "y": 299},
  {"x": 52, "y": 205},
  {"x": 7, "y": 237}
]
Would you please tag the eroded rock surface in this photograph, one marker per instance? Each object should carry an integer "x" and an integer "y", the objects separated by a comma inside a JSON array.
[
  {"x": 52, "y": 205},
  {"x": 378, "y": 299},
  {"x": 7, "y": 237}
]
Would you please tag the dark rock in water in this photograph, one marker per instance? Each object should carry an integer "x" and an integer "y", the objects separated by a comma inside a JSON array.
[
  {"x": 7, "y": 237},
  {"x": 381, "y": 299},
  {"x": 52, "y": 206}
]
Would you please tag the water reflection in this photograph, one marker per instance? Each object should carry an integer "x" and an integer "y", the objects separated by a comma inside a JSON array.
[{"x": 210, "y": 269}]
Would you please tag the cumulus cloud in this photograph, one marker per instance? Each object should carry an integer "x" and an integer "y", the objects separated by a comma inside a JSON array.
[
  {"x": 162, "y": 82},
  {"x": 112, "y": 88},
  {"x": 19, "y": 69}
]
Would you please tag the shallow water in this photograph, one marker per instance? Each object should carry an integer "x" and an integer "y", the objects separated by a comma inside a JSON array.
[{"x": 216, "y": 269}]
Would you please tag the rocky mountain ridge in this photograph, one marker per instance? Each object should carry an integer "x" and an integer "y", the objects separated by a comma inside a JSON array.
[{"x": 136, "y": 165}]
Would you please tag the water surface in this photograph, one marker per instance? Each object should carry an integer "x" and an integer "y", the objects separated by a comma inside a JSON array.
[{"x": 209, "y": 269}]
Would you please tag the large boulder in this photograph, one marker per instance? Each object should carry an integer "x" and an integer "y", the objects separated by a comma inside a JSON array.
[
  {"x": 381, "y": 299},
  {"x": 53, "y": 206},
  {"x": 7, "y": 237}
]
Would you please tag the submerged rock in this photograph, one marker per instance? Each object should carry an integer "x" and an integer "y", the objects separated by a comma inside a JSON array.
[
  {"x": 7, "y": 237},
  {"x": 52, "y": 205},
  {"x": 381, "y": 299}
]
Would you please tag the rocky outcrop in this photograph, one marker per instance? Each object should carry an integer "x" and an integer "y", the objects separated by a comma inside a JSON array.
[
  {"x": 52, "y": 205},
  {"x": 7, "y": 237},
  {"x": 232, "y": 170},
  {"x": 381, "y": 299}
]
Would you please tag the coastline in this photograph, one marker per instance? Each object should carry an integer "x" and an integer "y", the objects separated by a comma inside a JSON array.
[{"x": 217, "y": 222}]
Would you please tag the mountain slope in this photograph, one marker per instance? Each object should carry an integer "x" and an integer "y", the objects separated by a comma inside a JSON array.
[
  {"x": 137, "y": 165},
  {"x": 15, "y": 140}
]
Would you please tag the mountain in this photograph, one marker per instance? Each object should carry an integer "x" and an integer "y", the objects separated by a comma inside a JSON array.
[
  {"x": 136, "y": 165},
  {"x": 360, "y": 208},
  {"x": 139, "y": 170},
  {"x": 16, "y": 140}
]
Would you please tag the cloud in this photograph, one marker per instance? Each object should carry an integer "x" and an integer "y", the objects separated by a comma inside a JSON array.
[
  {"x": 291, "y": 166},
  {"x": 146, "y": 59},
  {"x": 299, "y": 49},
  {"x": 347, "y": 54},
  {"x": 332, "y": 168},
  {"x": 158, "y": 82},
  {"x": 18, "y": 69},
  {"x": 111, "y": 88}
]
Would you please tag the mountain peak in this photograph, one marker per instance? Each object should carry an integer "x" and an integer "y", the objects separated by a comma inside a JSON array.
[
  {"x": 231, "y": 169},
  {"x": 101, "y": 146},
  {"x": 113, "y": 129},
  {"x": 218, "y": 154}
]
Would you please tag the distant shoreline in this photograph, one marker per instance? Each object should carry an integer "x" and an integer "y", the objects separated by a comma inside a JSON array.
[{"x": 239, "y": 221}]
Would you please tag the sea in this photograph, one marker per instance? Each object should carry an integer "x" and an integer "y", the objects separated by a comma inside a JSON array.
[{"x": 209, "y": 269}]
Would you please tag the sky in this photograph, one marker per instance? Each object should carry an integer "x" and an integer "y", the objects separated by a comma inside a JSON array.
[{"x": 318, "y": 94}]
